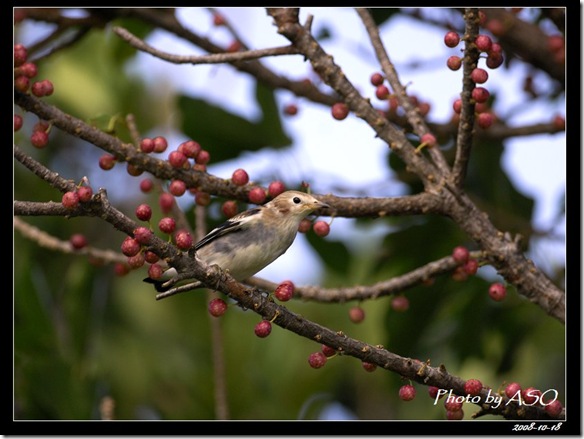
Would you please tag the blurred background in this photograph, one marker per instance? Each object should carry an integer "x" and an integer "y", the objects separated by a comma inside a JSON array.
[{"x": 84, "y": 337}]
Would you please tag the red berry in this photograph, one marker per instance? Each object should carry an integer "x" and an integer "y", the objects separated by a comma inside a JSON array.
[
  {"x": 121, "y": 269},
  {"x": 42, "y": 88},
  {"x": 451, "y": 39},
  {"x": 369, "y": 367},
  {"x": 147, "y": 145},
  {"x": 133, "y": 170},
  {"x": 428, "y": 139},
  {"x": 203, "y": 198},
  {"x": 151, "y": 257},
  {"x": 485, "y": 120},
  {"x": 321, "y": 228},
  {"x": 559, "y": 122},
  {"x": 257, "y": 195},
  {"x": 84, "y": 193},
  {"x": 328, "y": 351},
  {"x": 291, "y": 110},
  {"x": 177, "y": 187},
  {"x": 166, "y": 201},
  {"x": 479, "y": 76},
  {"x": 107, "y": 162},
  {"x": 284, "y": 291},
  {"x": 146, "y": 185},
  {"x": 512, "y": 389},
  {"x": 454, "y": 62},
  {"x": 454, "y": 415},
  {"x": 407, "y": 392},
  {"x": 471, "y": 266},
  {"x": 167, "y": 225},
  {"x": 556, "y": 43},
  {"x": 78, "y": 241},
  {"x": 183, "y": 240},
  {"x": 382, "y": 92},
  {"x": 217, "y": 307},
  {"x": 276, "y": 188},
  {"x": 28, "y": 69},
  {"x": 234, "y": 46},
  {"x": 317, "y": 360},
  {"x": 263, "y": 329},
  {"x": 136, "y": 261},
  {"x": 130, "y": 246},
  {"x": 304, "y": 225},
  {"x": 142, "y": 234},
  {"x": 155, "y": 271},
  {"x": 451, "y": 404},
  {"x": 531, "y": 395},
  {"x": 356, "y": 314},
  {"x": 17, "y": 122},
  {"x": 229, "y": 208},
  {"x": 144, "y": 212},
  {"x": 177, "y": 159},
  {"x": 400, "y": 303},
  {"x": 218, "y": 19},
  {"x": 433, "y": 392},
  {"x": 376, "y": 79},
  {"x": 203, "y": 157},
  {"x": 554, "y": 408},
  {"x": 457, "y": 106},
  {"x": 473, "y": 387},
  {"x": 497, "y": 291},
  {"x": 460, "y": 254},
  {"x": 494, "y": 60},
  {"x": 39, "y": 139},
  {"x": 70, "y": 200},
  {"x": 483, "y": 43},
  {"x": 340, "y": 110},
  {"x": 190, "y": 148},
  {"x": 160, "y": 144},
  {"x": 21, "y": 83},
  {"x": 480, "y": 94},
  {"x": 240, "y": 177},
  {"x": 20, "y": 55}
]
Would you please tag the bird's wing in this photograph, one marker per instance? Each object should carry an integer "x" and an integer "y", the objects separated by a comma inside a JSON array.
[{"x": 233, "y": 224}]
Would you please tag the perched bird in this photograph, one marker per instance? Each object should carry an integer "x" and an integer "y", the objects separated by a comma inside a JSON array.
[{"x": 251, "y": 240}]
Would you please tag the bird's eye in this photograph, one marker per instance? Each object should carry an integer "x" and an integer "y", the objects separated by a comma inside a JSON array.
[{"x": 296, "y": 200}]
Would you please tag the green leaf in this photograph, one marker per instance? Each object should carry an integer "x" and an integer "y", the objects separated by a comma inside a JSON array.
[{"x": 227, "y": 135}]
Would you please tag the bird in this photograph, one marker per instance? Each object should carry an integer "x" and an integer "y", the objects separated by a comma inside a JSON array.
[{"x": 251, "y": 240}]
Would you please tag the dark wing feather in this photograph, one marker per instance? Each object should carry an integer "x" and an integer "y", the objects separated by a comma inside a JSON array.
[{"x": 229, "y": 226}]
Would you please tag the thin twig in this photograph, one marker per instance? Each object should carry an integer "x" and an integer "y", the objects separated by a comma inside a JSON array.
[{"x": 217, "y": 58}]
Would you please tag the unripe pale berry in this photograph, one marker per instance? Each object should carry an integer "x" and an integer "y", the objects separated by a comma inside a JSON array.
[
  {"x": 317, "y": 360},
  {"x": 217, "y": 307},
  {"x": 407, "y": 392},
  {"x": 263, "y": 329}
]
